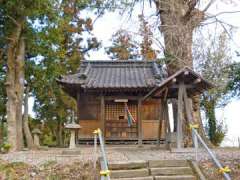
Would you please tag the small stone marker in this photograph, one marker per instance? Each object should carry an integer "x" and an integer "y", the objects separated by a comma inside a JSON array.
[{"x": 36, "y": 132}]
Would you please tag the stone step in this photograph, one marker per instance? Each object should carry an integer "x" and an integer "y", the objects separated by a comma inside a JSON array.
[
  {"x": 129, "y": 173},
  {"x": 171, "y": 171},
  {"x": 168, "y": 163},
  {"x": 136, "y": 178},
  {"x": 128, "y": 165},
  {"x": 178, "y": 177}
]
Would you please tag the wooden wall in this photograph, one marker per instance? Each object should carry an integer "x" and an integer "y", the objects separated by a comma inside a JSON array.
[
  {"x": 88, "y": 115},
  {"x": 150, "y": 119},
  {"x": 89, "y": 119}
]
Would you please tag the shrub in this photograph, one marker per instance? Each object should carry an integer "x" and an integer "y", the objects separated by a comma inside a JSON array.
[{"x": 5, "y": 147}]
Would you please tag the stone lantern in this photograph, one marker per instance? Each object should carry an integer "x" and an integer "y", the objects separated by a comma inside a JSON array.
[
  {"x": 73, "y": 127},
  {"x": 36, "y": 132}
]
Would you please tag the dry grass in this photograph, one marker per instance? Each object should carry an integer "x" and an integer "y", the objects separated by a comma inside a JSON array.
[
  {"x": 49, "y": 171},
  {"x": 212, "y": 172}
]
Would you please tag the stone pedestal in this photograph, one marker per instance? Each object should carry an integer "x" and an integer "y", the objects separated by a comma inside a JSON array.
[
  {"x": 36, "y": 132},
  {"x": 73, "y": 127},
  {"x": 36, "y": 140},
  {"x": 72, "y": 144}
]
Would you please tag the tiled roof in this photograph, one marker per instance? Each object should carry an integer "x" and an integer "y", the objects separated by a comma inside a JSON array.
[{"x": 116, "y": 74}]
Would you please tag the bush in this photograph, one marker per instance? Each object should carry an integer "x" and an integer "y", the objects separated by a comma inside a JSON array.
[
  {"x": 219, "y": 134},
  {"x": 5, "y": 147}
]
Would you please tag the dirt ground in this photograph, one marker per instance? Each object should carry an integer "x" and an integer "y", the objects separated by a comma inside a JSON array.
[{"x": 53, "y": 165}]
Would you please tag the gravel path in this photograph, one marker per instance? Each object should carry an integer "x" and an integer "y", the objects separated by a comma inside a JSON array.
[{"x": 114, "y": 154}]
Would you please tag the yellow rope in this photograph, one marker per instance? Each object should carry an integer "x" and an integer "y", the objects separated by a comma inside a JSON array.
[
  {"x": 97, "y": 131},
  {"x": 224, "y": 170},
  {"x": 105, "y": 173},
  {"x": 195, "y": 126}
]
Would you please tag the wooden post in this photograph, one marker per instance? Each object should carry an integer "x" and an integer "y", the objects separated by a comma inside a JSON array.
[
  {"x": 78, "y": 116},
  {"x": 102, "y": 116},
  {"x": 139, "y": 120},
  {"x": 188, "y": 108},
  {"x": 167, "y": 117},
  {"x": 160, "y": 121},
  {"x": 180, "y": 116},
  {"x": 167, "y": 128}
]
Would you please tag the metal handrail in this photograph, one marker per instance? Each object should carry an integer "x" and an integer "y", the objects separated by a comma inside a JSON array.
[
  {"x": 197, "y": 137},
  {"x": 103, "y": 159}
]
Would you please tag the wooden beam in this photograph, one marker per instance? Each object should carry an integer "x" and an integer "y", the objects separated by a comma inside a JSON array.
[
  {"x": 165, "y": 94},
  {"x": 196, "y": 81},
  {"x": 180, "y": 116},
  {"x": 188, "y": 86},
  {"x": 159, "y": 92},
  {"x": 149, "y": 93},
  {"x": 139, "y": 121},
  {"x": 102, "y": 115},
  {"x": 121, "y": 97}
]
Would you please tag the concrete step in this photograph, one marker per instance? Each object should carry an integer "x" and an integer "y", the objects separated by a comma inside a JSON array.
[
  {"x": 171, "y": 171},
  {"x": 136, "y": 178},
  {"x": 129, "y": 173},
  {"x": 168, "y": 163},
  {"x": 178, "y": 177},
  {"x": 128, "y": 165}
]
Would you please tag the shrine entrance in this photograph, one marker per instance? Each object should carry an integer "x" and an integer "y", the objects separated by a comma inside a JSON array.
[{"x": 117, "y": 124}]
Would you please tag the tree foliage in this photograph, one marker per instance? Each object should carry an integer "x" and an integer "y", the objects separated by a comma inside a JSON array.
[
  {"x": 15, "y": 36},
  {"x": 56, "y": 38},
  {"x": 60, "y": 45},
  {"x": 213, "y": 60},
  {"x": 146, "y": 50},
  {"x": 234, "y": 83},
  {"x": 123, "y": 46},
  {"x": 133, "y": 46}
]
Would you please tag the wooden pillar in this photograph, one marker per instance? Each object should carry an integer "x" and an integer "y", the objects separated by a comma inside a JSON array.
[
  {"x": 139, "y": 120},
  {"x": 102, "y": 115},
  {"x": 78, "y": 107},
  {"x": 78, "y": 116},
  {"x": 160, "y": 121},
  {"x": 187, "y": 106},
  {"x": 180, "y": 116},
  {"x": 190, "y": 120}
]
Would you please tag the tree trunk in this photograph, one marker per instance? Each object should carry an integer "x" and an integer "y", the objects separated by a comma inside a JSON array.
[
  {"x": 27, "y": 133},
  {"x": 14, "y": 86},
  {"x": 178, "y": 21},
  {"x": 10, "y": 89},
  {"x": 19, "y": 90}
]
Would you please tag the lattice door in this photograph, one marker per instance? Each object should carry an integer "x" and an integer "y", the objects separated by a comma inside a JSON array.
[{"x": 116, "y": 121}]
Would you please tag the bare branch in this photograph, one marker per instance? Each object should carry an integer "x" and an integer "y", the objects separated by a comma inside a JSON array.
[
  {"x": 14, "y": 20},
  {"x": 224, "y": 12},
  {"x": 208, "y": 5}
]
